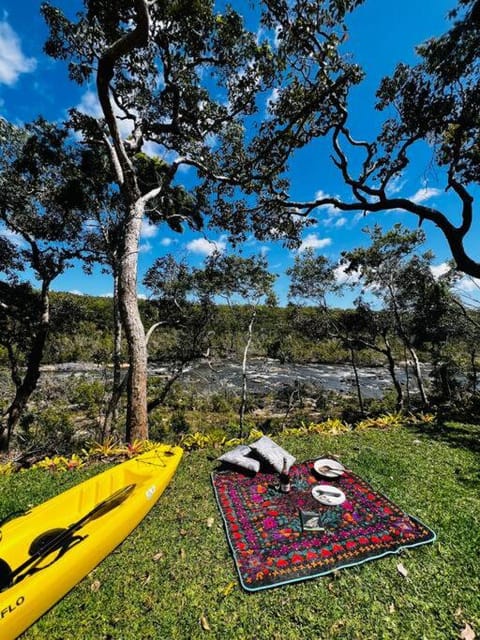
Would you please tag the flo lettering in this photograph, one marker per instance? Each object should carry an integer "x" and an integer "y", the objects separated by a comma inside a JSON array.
[{"x": 11, "y": 607}]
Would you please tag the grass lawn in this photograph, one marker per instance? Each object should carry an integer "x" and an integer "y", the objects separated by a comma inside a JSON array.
[{"x": 174, "y": 577}]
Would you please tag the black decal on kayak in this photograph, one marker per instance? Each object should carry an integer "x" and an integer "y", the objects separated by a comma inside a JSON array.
[{"x": 11, "y": 607}]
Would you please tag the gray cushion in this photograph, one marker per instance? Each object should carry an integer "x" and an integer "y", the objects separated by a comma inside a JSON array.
[
  {"x": 239, "y": 457},
  {"x": 272, "y": 453}
]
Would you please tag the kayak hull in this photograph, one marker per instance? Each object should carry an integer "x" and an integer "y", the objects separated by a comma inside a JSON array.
[{"x": 144, "y": 479}]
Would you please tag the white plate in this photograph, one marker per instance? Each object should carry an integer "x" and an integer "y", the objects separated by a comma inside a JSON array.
[
  {"x": 335, "y": 468},
  {"x": 324, "y": 494}
]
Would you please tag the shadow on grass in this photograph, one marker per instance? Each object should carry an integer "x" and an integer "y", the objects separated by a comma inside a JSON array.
[
  {"x": 459, "y": 435},
  {"x": 456, "y": 434}
]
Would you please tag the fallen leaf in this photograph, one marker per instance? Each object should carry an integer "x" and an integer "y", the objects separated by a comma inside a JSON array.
[
  {"x": 391, "y": 608},
  {"x": 183, "y": 532},
  {"x": 95, "y": 586},
  {"x": 182, "y": 554},
  {"x": 204, "y": 623},
  {"x": 330, "y": 587},
  {"x": 467, "y": 633},
  {"x": 145, "y": 579},
  {"x": 158, "y": 556},
  {"x": 401, "y": 570},
  {"x": 210, "y": 522}
]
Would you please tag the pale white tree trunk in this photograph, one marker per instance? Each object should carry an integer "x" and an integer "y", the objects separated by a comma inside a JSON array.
[
  {"x": 118, "y": 385},
  {"x": 243, "y": 404},
  {"x": 137, "y": 424}
]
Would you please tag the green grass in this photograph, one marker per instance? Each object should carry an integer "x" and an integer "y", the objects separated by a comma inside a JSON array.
[{"x": 175, "y": 568}]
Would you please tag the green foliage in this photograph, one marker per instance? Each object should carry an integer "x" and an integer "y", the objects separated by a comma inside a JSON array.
[
  {"x": 50, "y": 429},
  {"x": 179, "y": 423},
  {"x": 312, "y": 278},
  {"x": 438, "y": 97},
  {"x": 90, "y": 396}
]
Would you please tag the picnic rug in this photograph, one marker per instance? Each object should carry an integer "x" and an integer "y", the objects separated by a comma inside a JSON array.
[{"x": 269, "y": 545}]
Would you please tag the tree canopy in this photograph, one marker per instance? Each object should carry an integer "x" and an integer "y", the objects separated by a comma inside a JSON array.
[
  {"x": 435, "y": 102},
  {"x": 180, "y": 80}
]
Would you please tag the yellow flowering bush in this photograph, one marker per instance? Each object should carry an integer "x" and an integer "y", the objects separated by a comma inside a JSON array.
[
  {"x": 384, "y": 421},
  {"x": 332, "y": 426},
  {"x": 6, "y": 468}
]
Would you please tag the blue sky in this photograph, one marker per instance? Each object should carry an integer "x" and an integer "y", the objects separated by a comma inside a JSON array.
[{"x": 381, "y": 35}]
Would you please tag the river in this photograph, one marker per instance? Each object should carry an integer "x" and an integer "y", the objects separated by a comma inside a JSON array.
[{"x": 264, "y": 376}]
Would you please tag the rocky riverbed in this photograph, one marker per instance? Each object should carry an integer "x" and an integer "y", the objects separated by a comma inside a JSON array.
[{"x": 264, "y": 376}]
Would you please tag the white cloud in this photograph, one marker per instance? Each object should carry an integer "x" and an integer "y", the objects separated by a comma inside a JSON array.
[
  {"x": 90, "y": 105},
  {"x": 264, "y": 250},
  {"x": 261, "y": 35},
  {"x": 76, "y": 292},
  {"x": 15, "y": 238},
  {"x": 469, "y": 284},
  {"x": 166, "y": 242},
  {"x": 145, "y": 247},
  {"x": 395, "y": 185},
  {"x": 148, "y": 230},
  {"x": 329, "y": 208},
  {"x": 342, "y": 277},
  {"x": 439, "y": 270},
  {"x": 272, "y": 98},
  {"x": 278, "y": 36},
  {"x": 13, "y": 62},
  {"x": 335, "y": 217},
  {"x": 424, "y": 194},
  {"x": 335, "y": 222},
  {"x": 152, "y": 149},
  {"x": 312, "y": 241},
  {"x": 206, "y": 247}
]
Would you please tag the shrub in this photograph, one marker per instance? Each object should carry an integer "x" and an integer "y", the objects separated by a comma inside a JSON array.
[
  {"x": 179, "y": 423},
  {"x": 384, "y": 421},
  {"x": 331, "y": 426},
  {"x": 50, "y": 429},
  {"x": 89, "y": 395}
]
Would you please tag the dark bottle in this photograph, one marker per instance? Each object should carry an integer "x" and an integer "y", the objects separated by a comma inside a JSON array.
[{"x": 285, "y": 484}]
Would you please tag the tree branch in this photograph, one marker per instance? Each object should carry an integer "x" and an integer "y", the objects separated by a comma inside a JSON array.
[{"x": 134, "y": 39}]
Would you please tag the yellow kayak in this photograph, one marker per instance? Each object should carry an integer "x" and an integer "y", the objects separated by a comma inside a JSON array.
[{"x": 47, "y": 551}]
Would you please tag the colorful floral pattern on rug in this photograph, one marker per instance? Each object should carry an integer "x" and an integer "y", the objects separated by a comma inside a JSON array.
[{"x": 264, "y": 526}]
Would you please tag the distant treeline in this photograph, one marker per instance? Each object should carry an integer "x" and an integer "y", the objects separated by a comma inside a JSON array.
[{"x": 82, "y": 330}]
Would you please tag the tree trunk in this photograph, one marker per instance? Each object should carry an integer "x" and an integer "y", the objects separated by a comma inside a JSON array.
[
  {"x": 473, "y": 355},
  {"x": 391, "y": 368},
  {"x": 28, "y": 384},
  {"x": 357, "y": 381},
  {"x": 243, "y": 403},
  {"x": 418, "y": 374},
  {"x": 407, "y": 375},
  {"x": 407, "y": 343},
  {"x": 294, "y": 398},
  {"x": 137, "y": 423},
  {"x": 118, "y": 385}
]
